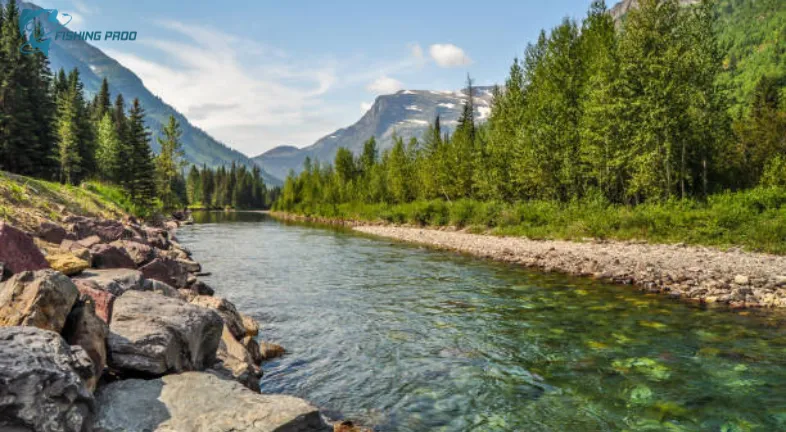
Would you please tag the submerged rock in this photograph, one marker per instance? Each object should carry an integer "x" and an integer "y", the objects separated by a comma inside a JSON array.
[
  {"x": 42, "y": 382},
  {"x": 40, "y": 299},
  {"x": 18, "y": 251},
  {"x": 200, "y": 402},
  {"x": 153, "y": 335},
  {"x": 269, "y": 350}
]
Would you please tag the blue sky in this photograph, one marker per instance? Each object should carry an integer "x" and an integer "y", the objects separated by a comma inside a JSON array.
[{"x": 259, "y": 74}]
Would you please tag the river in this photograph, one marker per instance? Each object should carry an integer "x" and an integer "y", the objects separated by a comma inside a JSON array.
[{"x": 411, "y": 339}]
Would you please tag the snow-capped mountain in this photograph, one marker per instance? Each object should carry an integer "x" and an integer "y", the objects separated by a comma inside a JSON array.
[{"x": 407, "y": 113}]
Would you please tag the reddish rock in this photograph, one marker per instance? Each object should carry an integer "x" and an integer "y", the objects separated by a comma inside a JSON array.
[
  {"x": 107, "y": 256},
  {"x": 165, "y": 270},
  {"x": 18, "y": 252},
  {"x": 51, "y": 232},
  {"x": 103, "y": 300},
  {"x": 156, "y": 237}
]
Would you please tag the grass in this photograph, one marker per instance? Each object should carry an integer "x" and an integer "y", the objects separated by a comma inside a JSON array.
[
  {"x": 753, "y": 219},
  {"x": 25, "y": 201}
]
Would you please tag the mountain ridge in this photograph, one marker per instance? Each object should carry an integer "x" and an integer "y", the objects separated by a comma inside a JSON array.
[
  {"x": 406, "y": 113},
  {"x": 93, "y": 65}
]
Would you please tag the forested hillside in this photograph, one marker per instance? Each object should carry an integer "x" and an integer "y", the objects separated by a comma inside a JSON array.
[
  {"x": 629, "y": 115},
  {"x": 50, "y": 130},
  {"x": 752, "y": 36}
]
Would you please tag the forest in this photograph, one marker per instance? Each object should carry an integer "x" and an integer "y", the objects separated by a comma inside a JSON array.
[
  {"x": 49, "y": 130},
  {"x": 630, "y": 120}
]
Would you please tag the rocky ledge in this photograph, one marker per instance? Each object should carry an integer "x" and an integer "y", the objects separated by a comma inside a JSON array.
[
  {"x": 105, "y": 326},
  {"x": 736, "y": 278}
]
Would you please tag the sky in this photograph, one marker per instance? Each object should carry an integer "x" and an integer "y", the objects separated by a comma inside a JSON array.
[{"x": 259, "y": 74}]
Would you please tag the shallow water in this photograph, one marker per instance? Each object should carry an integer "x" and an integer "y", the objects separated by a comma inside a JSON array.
[{"x": 411, "y": 339}]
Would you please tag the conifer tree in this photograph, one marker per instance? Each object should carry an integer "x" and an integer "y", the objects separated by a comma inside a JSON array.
[
  {"x": 142, "y": 184},
  {"x": 109, "y": 155},
  {"x": 169, "y": 162}
]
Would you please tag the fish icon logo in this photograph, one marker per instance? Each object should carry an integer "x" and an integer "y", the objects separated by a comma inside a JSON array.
[{"x": 36, "y": 42}]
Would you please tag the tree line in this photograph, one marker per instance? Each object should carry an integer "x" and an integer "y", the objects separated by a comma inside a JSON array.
[
  {"x": 49, "y": 130},
  {"x": 627, "y": 113},
  {"x": 237, "y": 187}
]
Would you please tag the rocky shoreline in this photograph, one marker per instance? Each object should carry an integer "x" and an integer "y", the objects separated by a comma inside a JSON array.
[
  {"x": 105, "y": 326},
  {"x": 707, "y": 275}
]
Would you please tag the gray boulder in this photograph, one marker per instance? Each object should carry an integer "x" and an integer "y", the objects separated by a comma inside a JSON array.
[
  {"x": 115, "y": 281},
  {"x": 200, "y": 402},
  {"x": 228, "y": 312},
  {"x": 42, "y": 382},
  {"x": 152, "y": 335}
]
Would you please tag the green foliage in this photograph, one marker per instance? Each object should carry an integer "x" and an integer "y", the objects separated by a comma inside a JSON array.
[
  {"x": 169, "y": 164},
  {"x": 238, "y": 188}
]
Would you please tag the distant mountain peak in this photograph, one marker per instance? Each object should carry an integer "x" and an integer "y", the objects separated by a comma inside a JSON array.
[{"x": 406, "y": 113}]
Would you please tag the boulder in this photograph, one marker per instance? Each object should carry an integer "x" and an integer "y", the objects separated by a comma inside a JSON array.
[
  {"x": 228, "y": 313},
  {"x": 156, "y": 237},
  {"x": 189, "y": 265},
  {"x": 187, "y": 294},
  {"x": 102, "y": 300},
  {"x": 88, "y": 242},
  {"x": 235, "y": 362},
  {"x": 106, "y": 230},
  {"x": 18, "y": 251},
  {"x": 152, "y": 335},
  {"x": 76, "y": 248},
  {"x": 115, "y": 281},
  {"x": 165, "y": 270},
  {"x": 51, "y": 232},
  {"x": 87, "y": 330},
  {"x": 40, "y": 299},
  {"x": 269, "y": 350},
  {"x": 250, "y": 324},
  {"x": 67, "y": 263},
  {"x": 107, "y": 256},
  {"x": 202, "y": 288},
  {"x": 42, "y": 382},
  {"x": 252, "y": 347},
  {"x": 162, "y": 288},
  {"x": 140, "y": 253},
  {"x": 200, "y": 402}
]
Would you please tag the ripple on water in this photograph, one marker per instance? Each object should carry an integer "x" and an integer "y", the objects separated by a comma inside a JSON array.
[{"x": 416, "y": 340}]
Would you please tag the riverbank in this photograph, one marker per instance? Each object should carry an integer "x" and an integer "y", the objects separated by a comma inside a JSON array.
[
  {"x": 105, "y": 324},
  {"x": 733, "y": 277}
]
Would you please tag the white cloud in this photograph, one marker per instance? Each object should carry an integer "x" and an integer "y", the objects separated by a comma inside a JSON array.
[
  {"x": 449, "y": 55},
  {"x": 250, "y": 106},
  {"x": 365, "y": 106},
  {"x": 385, "y": 85}
]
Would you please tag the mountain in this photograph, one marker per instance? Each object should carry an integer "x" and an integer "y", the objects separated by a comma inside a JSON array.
[
  {"x": 94, "y": 65},
  {"x": 407, "y": 113}
]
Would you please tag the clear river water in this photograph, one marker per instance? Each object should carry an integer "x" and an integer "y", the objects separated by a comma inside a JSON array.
[{"x": 410, "y": 339}]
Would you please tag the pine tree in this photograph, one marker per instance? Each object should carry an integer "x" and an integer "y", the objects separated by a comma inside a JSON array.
[
  {"x": 69, "y": 155},
  {"x": 109, "y": 155},
  {"x": 169, "y": 162},
  {"x": 17, "y": 135},
  {"x": 142, "y": 184},
  {"x": 44, "y": 108},
  {"x": 102, "y": 103}
]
